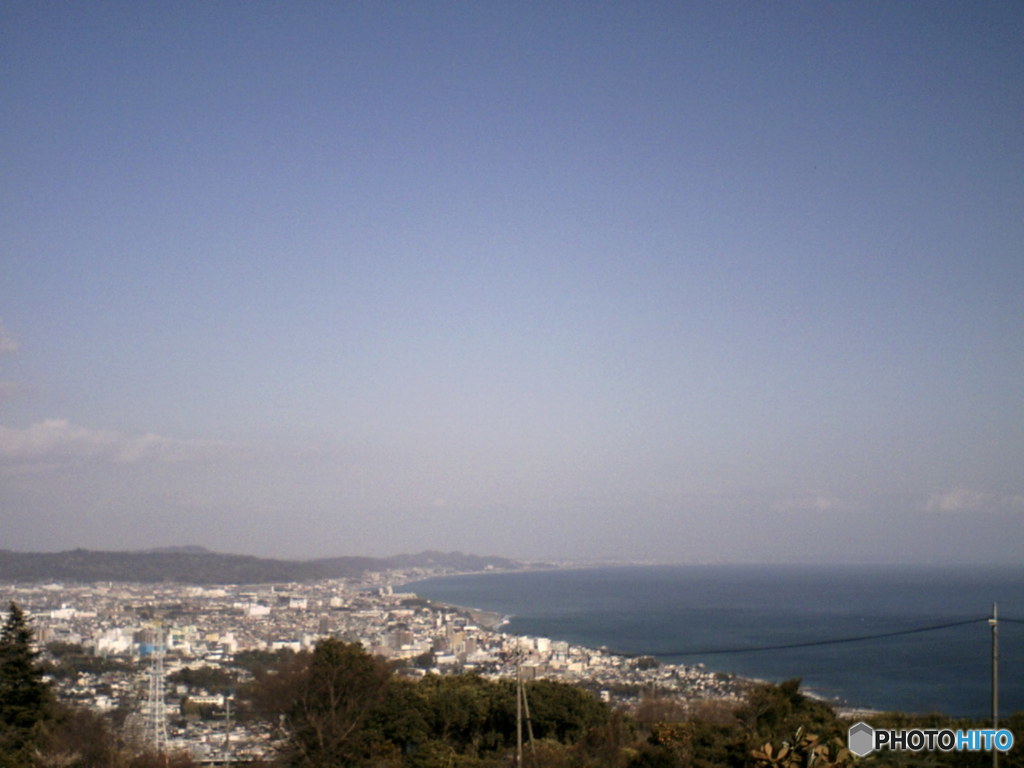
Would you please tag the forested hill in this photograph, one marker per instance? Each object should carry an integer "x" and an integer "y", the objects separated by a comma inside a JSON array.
[{"x": 196, "y": 565}]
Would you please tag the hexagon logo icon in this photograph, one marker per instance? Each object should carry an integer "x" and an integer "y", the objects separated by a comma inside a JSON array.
[{"x": 860, "y": 739}]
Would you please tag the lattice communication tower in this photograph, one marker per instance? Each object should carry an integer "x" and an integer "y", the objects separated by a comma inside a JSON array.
[{"x": 156, "y": 711}]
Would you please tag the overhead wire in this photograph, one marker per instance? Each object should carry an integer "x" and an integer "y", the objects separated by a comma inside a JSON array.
[{"x": 809, "y": 643}]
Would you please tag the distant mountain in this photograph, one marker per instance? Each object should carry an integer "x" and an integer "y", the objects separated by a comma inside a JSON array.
[
  {"x": 187, "y": 549},
  {"x": 197, "y": 565}
]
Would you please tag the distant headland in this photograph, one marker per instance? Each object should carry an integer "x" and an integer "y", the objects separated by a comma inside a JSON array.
[{"x": 198, "y": 565}]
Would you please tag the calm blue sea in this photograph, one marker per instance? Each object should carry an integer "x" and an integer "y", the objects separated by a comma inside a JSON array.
[{"x": 684, "y": 614}]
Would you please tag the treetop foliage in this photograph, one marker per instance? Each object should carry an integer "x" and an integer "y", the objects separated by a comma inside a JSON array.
[
  {"x": 339, "y": 706},
  {"x": 26, "y": 703}
]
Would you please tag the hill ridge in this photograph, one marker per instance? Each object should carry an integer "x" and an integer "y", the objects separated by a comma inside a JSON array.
[{"x": 198, "y": 565}]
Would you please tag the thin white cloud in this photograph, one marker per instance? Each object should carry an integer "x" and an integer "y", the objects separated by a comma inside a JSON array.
[
  {"x": 969, "y": 500},
  {"x": 811, "y": 502},
  {"x": 56, "y": 441},
  {"x": 8, "y": 344}
]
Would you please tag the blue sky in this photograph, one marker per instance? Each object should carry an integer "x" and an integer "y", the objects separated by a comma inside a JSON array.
[{"x": 680, "y": 281}]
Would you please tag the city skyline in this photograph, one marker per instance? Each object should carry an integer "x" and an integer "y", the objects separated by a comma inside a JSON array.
[{"x": 684, "y": 282}]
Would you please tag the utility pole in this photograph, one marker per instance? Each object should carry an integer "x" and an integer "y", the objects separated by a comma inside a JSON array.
[
  {"x": 994, "y": 623},
  {"x": 529, "y": 723},
  {"x": 519, "y": 705},
  {"x": 227, "y": 730}
]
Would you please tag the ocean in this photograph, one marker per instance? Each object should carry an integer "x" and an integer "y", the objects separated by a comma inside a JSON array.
[{"x": 714, "y": 615}]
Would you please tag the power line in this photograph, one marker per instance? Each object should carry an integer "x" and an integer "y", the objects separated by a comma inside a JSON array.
[{"x": 810, "y": 643}]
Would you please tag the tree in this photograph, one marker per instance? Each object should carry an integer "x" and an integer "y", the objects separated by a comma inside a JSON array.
[
  {"x": 80, "y": 738},
  {"x": 325, "y": 701},
  {"x": 400, "y": 720},
  {"x": 774, "y": 712},
  {"x": 26, "y": 703},
  {"x": 562, "y": 711},
  {"x": 212, "y": 679}
]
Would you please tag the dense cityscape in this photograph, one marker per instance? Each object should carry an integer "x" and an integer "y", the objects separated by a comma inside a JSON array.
[{"x": 163, "y": 652}]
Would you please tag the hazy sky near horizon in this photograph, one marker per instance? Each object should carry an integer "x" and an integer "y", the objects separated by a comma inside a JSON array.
[{"x": 686, "y": 281}]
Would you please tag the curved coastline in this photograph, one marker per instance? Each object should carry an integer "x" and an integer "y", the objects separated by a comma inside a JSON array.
[
  {"x": 730, "y": 607},
  {"x": 494, "y": 621},
  {"x": 598, "y": 666}
]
